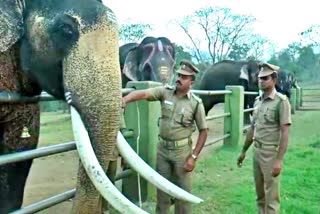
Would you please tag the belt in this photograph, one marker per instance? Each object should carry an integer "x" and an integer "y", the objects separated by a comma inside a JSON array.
[
  {"x": 266, "y": 146},
  {"x": 174, "y": 144}
]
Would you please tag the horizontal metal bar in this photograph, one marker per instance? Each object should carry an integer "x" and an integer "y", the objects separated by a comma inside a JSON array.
[
  {"x": 246, "y": 127},
  {"x": 128, "y": 133},
  {"x": 57, "y": 199},
  {"x": 248, "y": 110},
  {"x": 307, "y": 108},
  {"x": 310, "y": 89},
  {"x": 216, "y": 92},
  {"x": 126, "y": 91},
  {"x": 44, "y": 204},
  {"x": 217, "y": 140},
  {"x": 217, "y": 116},
  {"x": 311, "y": 95},
  {"x": 13, "y": 97},
  {"x": 251, "y": 93},
  {"x": 36, "y": 153}
]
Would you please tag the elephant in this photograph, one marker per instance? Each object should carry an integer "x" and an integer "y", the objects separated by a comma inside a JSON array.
[
  {"x": 153, "y": 59},
  {"x": 229, "y": 72},
  {"x": 69, "y": 49},
  {"x": 284, "y": 83}
]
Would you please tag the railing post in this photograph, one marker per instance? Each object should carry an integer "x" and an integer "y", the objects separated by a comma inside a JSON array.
[
  {"x": 293, "y": 100},
  {"x": 142, "y": 117},
  {"x": 301, "y": 97},
  {"x": 233, "y": 125},
  {"x": 298, "y": 98}
]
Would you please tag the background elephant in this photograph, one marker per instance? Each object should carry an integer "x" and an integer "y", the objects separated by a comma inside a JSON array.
[
  {"x": 229, "y": 72},
  {"x": 243, "y": 73},
  {"x": 284, "y": 83},
  {"x": 63, "y": 47},
  {"x": 153, "y": 59}
]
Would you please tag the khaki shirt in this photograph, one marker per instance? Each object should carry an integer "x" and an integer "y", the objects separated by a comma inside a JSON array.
[
  {"x": 270, "y": 113},
  {"x": 178, "y": 113}
]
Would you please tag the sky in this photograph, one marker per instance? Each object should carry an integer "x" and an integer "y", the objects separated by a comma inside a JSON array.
[{"x": 280, "y": 21}]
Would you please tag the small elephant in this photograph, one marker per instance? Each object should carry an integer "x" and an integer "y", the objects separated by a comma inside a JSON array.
[{"x": 151, "y": 60}]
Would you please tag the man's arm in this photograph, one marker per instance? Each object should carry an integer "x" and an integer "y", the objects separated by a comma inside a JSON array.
[
  {"x": 202, "y": 137},
  {"x": 135, "y": 95},
  {"x": 246, "y": 146},
  {"x": 284, "y": 140},
  {"x": 248, "y": 141}
]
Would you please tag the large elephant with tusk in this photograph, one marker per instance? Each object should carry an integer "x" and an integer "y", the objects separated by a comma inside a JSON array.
[{"x": 69, "y": 49}]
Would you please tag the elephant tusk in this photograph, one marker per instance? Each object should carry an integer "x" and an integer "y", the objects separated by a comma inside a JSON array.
[
  {"x": 95, "y": 171},
  {"x": 149, "y": 174}
]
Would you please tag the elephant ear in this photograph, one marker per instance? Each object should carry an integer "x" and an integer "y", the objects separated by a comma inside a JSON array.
[
  {"x": 130, "y": 68},
  {"x": 11, "y": 22},
  {"x": 244, "y": 73}
]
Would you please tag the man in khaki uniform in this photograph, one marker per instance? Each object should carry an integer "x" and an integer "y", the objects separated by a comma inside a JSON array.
[
  {"x": 269, "y": 132},
  {"x": 179, "y": 109}
]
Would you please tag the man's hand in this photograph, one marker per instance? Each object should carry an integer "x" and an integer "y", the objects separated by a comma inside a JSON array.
[
  {"x": 190, "y": 164},
  {"x": 277, "y": 168},
  {"x": 241, "y": 157}
]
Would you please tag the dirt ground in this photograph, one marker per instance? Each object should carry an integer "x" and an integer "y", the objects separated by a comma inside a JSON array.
[{"x": 57, "y": 173}]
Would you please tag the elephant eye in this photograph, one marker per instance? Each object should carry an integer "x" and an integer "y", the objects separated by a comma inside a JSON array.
[{"x": 67, "y": 29}]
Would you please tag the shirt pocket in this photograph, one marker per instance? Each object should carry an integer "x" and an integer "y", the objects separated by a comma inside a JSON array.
[
  {"x": 270, "y": 115},
  {"x": 184, "y": 118},
  {"x": 167, "y": 110}
]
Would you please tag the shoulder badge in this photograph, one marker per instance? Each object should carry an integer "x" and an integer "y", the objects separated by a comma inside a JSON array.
[
  {"x": 198, "y": 99},
  {"x": 282, "y": 96}
]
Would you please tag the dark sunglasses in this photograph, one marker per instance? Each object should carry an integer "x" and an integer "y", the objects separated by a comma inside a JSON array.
[{"x": 266, "y": 78}]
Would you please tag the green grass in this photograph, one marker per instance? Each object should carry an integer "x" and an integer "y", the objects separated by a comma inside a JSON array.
[
  {"x": 55, "y": 128},
  {"x": 225, "y": 188},
  {"x": 228, "y": 189}
]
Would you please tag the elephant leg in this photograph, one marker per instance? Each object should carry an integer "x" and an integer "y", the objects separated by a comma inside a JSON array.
[{"x": 13, "y": 176}]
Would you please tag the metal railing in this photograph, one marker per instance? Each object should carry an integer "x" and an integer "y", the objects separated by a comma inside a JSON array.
[{"x": 65, "y": 147}]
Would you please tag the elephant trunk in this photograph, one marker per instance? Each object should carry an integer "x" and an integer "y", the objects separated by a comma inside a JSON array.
[{"x": 93, "y": 86}]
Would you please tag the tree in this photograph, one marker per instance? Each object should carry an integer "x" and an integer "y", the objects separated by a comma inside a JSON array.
[
  {"x": 134, "y": 32},
  {"x": 311, "y": 36},
  {"x": 181, "y": 54},
  {"x": 220, "y": 29}
]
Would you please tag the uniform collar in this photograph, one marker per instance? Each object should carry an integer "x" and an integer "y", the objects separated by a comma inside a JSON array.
[
  {"x": 272, "y": 95},
  {"x": 188, "y": 94}
]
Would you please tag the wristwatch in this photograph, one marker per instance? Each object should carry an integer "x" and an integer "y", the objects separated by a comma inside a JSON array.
[{"x": 194, "y": 156}]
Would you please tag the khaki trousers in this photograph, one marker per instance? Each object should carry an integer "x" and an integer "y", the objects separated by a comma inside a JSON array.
[
  {"x": 267, "y": 186},
  {"x": 170, "y": 165}
]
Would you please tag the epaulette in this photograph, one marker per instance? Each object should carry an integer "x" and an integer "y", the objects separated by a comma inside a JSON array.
[
  {"x": 167, "y": 86},
  {"x": 198, "y": 99},
  {"x": 282, "y": 96}
]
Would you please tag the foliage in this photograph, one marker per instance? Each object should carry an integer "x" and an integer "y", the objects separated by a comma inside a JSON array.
[
  {"x": 223, "y": 34},
  {"x": 134, "y": 32}
]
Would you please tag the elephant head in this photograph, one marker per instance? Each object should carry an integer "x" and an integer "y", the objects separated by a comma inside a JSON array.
[
  {"x": 70, "y": 49},
  {"x": 152, "y": 59},
  {"x": 249, "y": 73}
]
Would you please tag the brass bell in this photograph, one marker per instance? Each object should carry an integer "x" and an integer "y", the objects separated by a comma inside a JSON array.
[{"x": 25, "y": 133}]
